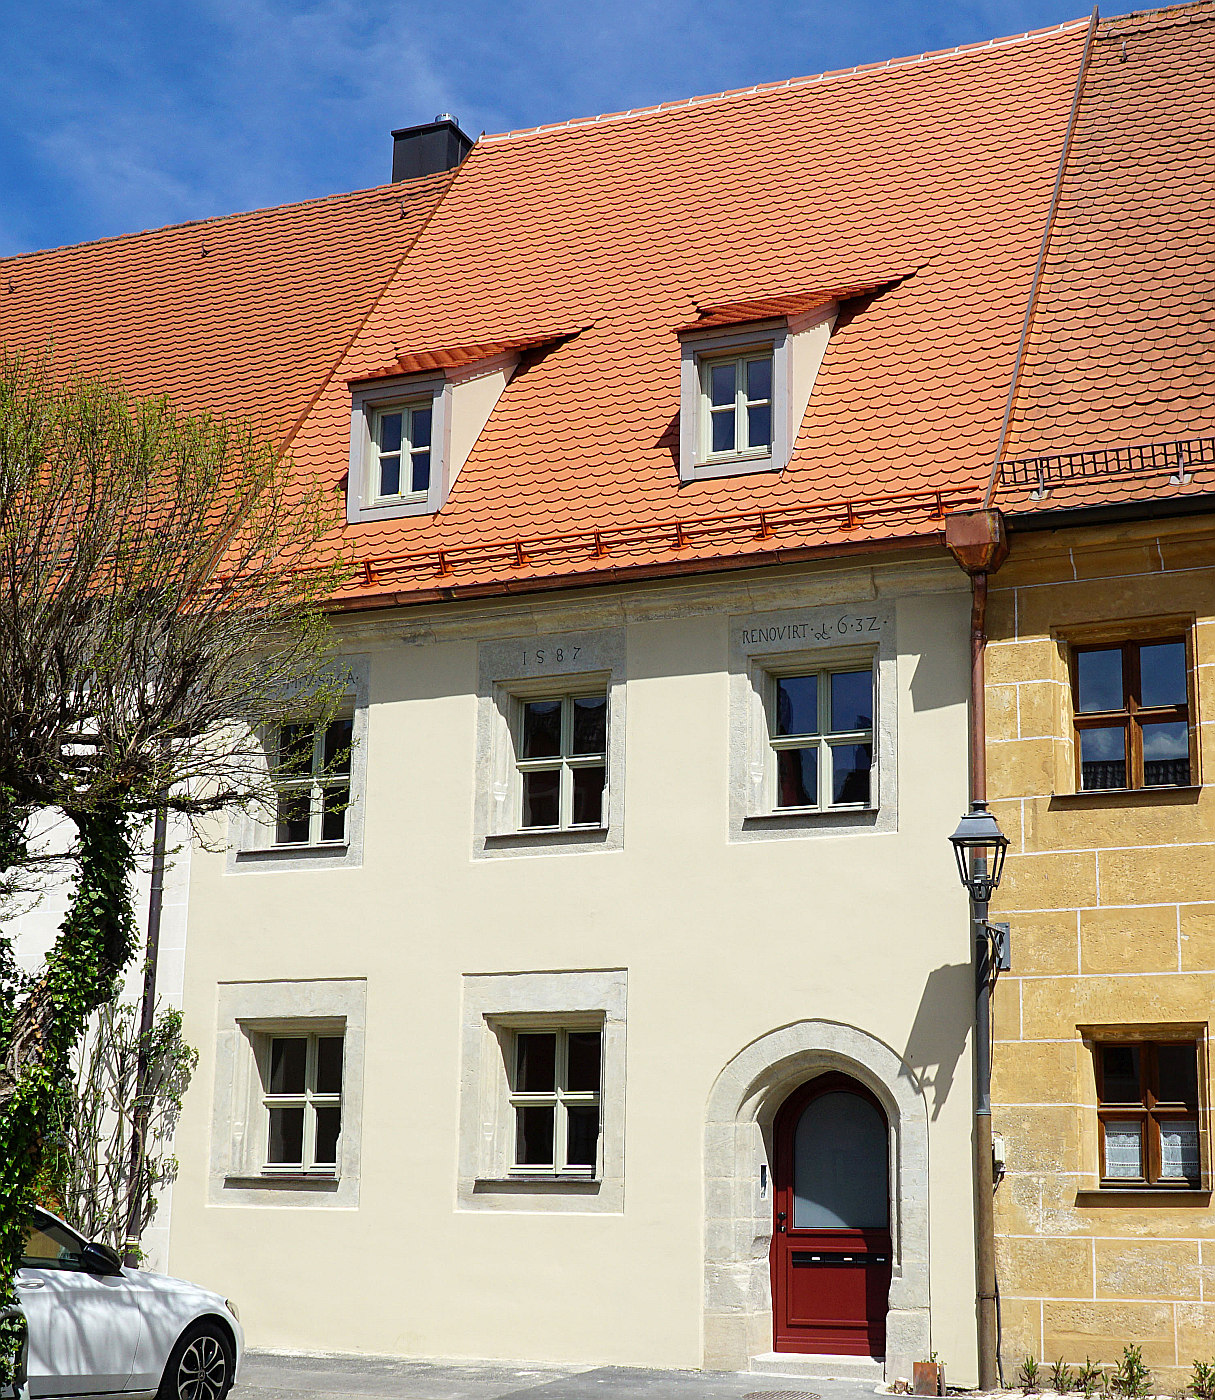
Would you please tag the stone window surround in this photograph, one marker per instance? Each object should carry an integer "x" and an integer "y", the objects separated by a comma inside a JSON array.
[
  {"x": 494, "y": 1005},
  {"x": 246, "y": 1011},
  {"x": 251, "y": 834},
  {"x": 738, "y": 1211},
  {"x": 508, "y": 670},
  {"x": 1197, "y": 1033},
  {"x": 763, "y": 645}
]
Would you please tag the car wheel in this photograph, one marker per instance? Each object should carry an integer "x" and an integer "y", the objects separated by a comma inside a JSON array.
[{"x": 201, "y": 1366}]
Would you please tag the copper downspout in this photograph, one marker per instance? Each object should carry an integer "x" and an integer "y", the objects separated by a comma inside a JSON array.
[{"x": 978, "y": 542}]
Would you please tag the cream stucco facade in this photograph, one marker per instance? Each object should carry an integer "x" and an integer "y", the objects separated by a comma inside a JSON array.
[{"x": 728, "y": 956}]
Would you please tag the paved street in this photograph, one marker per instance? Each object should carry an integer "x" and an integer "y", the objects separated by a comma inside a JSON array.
[{"x": 266, "y": 1376}]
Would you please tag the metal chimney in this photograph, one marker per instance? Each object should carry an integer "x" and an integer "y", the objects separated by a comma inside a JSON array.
[{"x": 427, "y": 150}]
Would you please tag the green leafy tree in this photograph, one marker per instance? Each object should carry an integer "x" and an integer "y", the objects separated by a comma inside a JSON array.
[{"x": 161, "y": 610}]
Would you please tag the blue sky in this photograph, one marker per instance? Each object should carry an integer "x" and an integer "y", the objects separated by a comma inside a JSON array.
[{"x": 128, "y": 114}]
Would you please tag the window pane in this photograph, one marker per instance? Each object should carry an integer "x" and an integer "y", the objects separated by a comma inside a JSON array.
[
  {"x": 797, "y": 778},
  {"x": 535, "y": 1062},
  {"x": 534, "y": 1136},
  {"x": 328, "y": 1127},
  {"x": 851, "y": 700},
  {"x": 292, "y": 824},
  {"x": 286, "y": 1136},
  {"x": 722, "y": 384},
  {"x": 288, "y": 1060},
  {"x": 338, "y": 737},
  {"x": 390, "y": 432},
  {"x": 1162, "y": 674},
  {"x": 759, "y": 379},
  {"x": 1179, "y": 1151},
  {"x": 759, "y": 426},
  {"x": 1166, "y": 754},
  {"x": 850, "y": 764},
  {"x": 797, "y": 705},
  {"x": 1102, "y": 758},
  {"x": 336, "y": 803},
  {"x": 295, "y": 745},
  {"x": 582, "y": 1062},
  {"x": 588, "y": 796},
  {"x": 542, "y": 798},
  {"x": 1177, "y": 1072},
  {"x": 419, "y": 427},
  {"x": 329, "y": 1064},
  {"x": 1099, "y": 680},
  {"x": 419, "y": 478},
  {"x": 52, "y": 1247},
  {"x": 1123, "y": 1151},
  {"x": 542, "y": 729},
  {"x": 1120, "y": 1074},
  {"x": 590, "y": 724},
  {"x": 390, "y": 476},
  {"x": 723, "y": 431},
  {"x": 582, "y": 1136}
]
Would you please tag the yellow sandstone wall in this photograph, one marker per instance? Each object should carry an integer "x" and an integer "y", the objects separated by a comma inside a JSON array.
[{"x": 1112, "y": 905}]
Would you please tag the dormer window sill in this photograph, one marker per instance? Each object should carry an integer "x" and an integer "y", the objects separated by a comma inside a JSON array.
[{"x": 719, "y": 467}]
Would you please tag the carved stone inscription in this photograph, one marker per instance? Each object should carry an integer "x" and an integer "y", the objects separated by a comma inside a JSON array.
[{"x": 844, "y": 626}]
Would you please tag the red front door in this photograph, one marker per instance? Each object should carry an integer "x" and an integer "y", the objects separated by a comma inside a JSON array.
[{"x": 831, "y": 1227}]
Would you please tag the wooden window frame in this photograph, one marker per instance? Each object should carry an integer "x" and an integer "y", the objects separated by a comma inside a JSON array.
[
  {"x": 824, "y": 739},
  {"x": 406, "y": 408},
  {"x": 1133, "y": 716},
  {"x": 706, "y": 363},
  {"x": 1149, "y": 1113},
  {"x": 310, "y": 1100},
  {"x": 560, "y": 1100},
  {"x": 318, "y": 782},
  {"x": 565, "y": 762}
]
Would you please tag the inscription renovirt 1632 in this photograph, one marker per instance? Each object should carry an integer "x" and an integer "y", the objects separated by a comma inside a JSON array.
[{"x": 846, "y": 625}]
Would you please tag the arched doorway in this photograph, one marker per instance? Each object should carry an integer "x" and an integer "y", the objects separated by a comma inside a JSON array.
[{"x": 831, "y": 1245}]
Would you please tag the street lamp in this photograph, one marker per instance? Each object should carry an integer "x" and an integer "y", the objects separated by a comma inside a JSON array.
[
  {"x": 979, "y": 847},
  {"x": 977, "y": 839}
]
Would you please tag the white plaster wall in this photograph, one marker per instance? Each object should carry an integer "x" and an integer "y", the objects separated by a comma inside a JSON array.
[
  {"x": 722, "y": 942},
  {"x": 35, "y": 929}
]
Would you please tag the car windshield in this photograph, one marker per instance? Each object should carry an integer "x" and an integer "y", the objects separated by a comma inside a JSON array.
[{"x": 50, "y": 1245}]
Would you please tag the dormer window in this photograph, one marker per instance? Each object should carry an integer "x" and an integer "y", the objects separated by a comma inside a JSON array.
[
  {"x": 748, "y": 369},
  {"x": 737, "y": 400},
  {"x": 414, "y": 422},
  {"x": 402, "y": 438}
]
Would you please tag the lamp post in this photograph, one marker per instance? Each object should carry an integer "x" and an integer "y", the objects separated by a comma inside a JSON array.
[{"x": 980, "y": 847}]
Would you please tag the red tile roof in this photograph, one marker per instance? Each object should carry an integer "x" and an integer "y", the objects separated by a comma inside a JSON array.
[
  {"x": 1122, "y": 348},
  {"x": 736, "y": 313},
  {"x": 629, "y": 225},
  {"x": 914, "y": 192},
  {"x": 245, "y": 315},
  {"x": 457, "y": 356}
]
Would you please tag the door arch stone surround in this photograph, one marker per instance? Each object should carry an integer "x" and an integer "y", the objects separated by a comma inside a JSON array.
[{"x": 738, "y": 1220}]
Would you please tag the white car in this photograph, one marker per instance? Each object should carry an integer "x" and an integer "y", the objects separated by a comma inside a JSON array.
[{"x": 97, "y": 1328}]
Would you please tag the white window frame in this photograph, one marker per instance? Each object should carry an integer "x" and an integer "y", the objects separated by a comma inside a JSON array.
[
  {"x": 566, "y": 762},
  {"x": 310, "y": 1100},
  {"x": 405, "y": 454},
  {"x": 560, "y": 1100},
  {"x": 317, "y": 783},
  {"x": 824, "y": 740},
  {"x": 252, "y": 845},
  {"x": 742, "y": 403}
]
